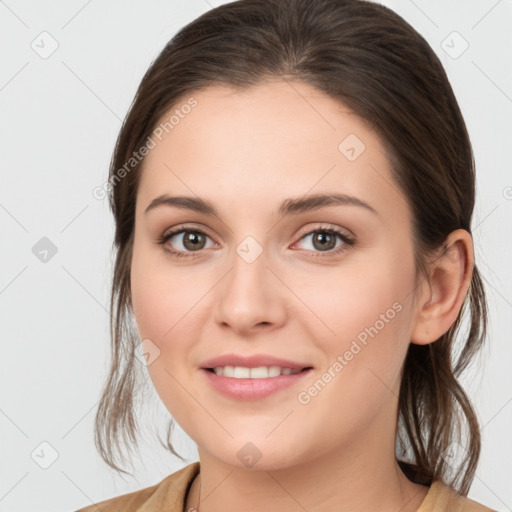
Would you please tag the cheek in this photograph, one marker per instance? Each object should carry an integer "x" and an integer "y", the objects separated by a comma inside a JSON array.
[
  {"x": 369, "y": 315},
  {"x": 162, "y": 306},
  {"x": 363, "y": 314},
  {"x": 149, "y": 305},
  {"x": 160, "y": 295},
  {"x": 170, "y": 306}
]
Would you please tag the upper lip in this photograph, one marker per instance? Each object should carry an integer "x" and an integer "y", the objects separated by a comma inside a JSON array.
[{"x": 252, "y": 361}]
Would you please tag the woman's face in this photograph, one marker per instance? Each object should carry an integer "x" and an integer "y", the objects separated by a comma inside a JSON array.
[{"x": 262, "y": 278}]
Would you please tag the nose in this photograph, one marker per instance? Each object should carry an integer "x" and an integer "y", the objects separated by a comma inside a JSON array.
[{"x": 250, "y": 297}]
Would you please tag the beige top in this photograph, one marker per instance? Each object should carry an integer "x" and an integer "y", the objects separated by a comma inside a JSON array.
[{"x": 170, "y": 494}]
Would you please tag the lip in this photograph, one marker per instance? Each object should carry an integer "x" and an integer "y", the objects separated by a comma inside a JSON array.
[
  {"x": 253, "y": 361},
  {"x": 252, "y": 389}
]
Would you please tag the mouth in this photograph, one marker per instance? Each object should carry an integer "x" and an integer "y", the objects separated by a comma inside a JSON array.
[
  {"x": 261, "y": 372},
  {"x": 246, "y": 384}
]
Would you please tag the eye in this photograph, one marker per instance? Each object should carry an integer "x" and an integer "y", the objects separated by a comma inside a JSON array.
[
  {"x": 327, "y": 240},
  {"x": 185, "y": 240}
]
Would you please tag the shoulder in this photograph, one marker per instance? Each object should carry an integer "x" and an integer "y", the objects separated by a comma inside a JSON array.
[
  {"x": 442, "y": 498},
  {"x": 169, "y": 494}
]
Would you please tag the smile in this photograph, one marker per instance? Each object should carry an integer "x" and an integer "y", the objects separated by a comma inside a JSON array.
[
  {"x": 238, "y": 382},
  {"x": 260, "y": 372}
]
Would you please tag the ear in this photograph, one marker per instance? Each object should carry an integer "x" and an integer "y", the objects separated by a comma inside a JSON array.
[{"x": 441, "y": 298}]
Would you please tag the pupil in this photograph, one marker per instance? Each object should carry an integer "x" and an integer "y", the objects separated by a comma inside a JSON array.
[
  {"x": 325, "y": 240},
  {"x": 194, "y": 239}
]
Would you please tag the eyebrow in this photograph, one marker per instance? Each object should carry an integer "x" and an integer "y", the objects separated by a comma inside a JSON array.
[{"x": 289, "y": 206}]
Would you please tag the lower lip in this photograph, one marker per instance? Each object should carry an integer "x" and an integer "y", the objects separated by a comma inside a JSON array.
[{"x": 252, "y": 389}]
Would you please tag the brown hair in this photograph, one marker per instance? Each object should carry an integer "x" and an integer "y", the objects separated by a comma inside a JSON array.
[{"x": 369, "y": 58}]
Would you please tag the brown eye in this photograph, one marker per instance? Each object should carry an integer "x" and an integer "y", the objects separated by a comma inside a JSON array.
[
  {"x": 185, "y": 242},
  {"x": 193, "y": 240},
  {"x": 324, "y": 241},
  {"x": 327, "y": 242}
]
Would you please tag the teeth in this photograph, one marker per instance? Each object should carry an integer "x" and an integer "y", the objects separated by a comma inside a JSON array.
[{"x": 261, "y": 372}]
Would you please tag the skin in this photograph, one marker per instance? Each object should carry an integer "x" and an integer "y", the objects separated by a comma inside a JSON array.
[{"x": 246, "y": 152}]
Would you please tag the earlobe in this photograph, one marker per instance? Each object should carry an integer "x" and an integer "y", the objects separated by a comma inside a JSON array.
[{"x": 450, "y": 276}]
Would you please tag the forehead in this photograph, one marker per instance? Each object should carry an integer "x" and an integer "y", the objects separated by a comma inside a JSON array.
[{"x": 274, "y": 140}]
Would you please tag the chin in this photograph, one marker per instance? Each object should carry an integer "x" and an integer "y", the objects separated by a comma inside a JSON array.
[{"x": 258, "y": 456}]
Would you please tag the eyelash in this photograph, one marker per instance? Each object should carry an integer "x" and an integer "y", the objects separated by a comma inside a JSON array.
[{"x": 348, "y": 242}]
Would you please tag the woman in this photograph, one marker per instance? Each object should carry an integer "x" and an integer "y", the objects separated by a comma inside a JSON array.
[{"x": 293, "y": 190}]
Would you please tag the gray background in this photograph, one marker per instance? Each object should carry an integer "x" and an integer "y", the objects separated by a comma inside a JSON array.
[{"x": 60, "y": 116}]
